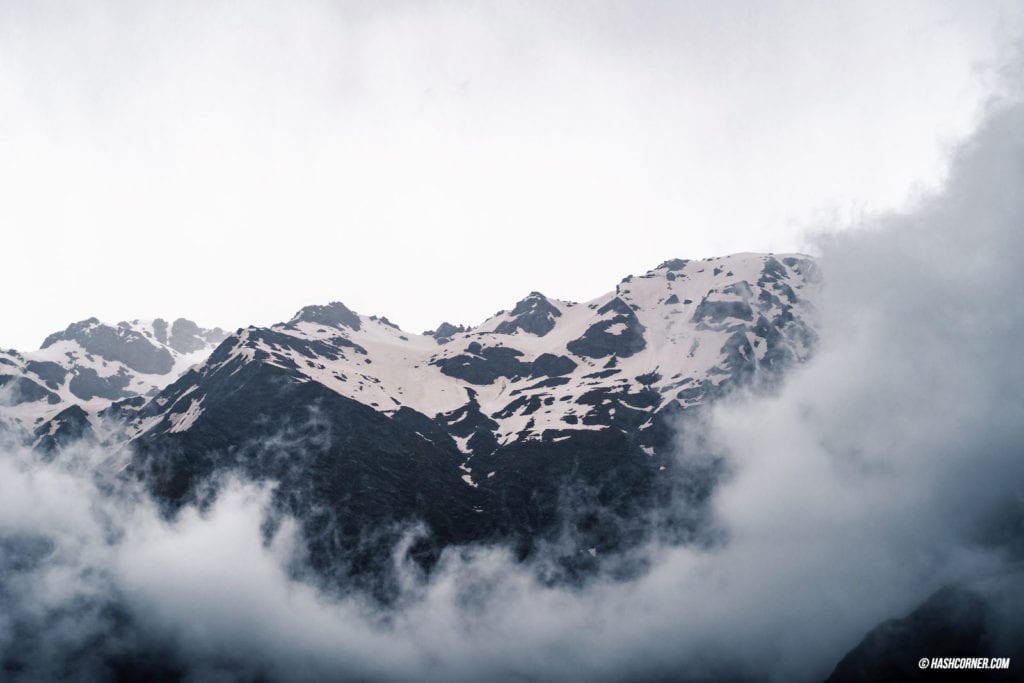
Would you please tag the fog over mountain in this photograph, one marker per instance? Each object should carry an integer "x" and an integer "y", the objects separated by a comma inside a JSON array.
[{"x": 805, "y": 502}]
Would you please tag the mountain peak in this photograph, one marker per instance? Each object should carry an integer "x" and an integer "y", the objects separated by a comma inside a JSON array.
[
  {"x": 673, "y": 264},
  {"x": 121, "y": 343},
  {"x": 444, "y": 332},
  {"x": 334, "y": 314},
  {"x": 185, "y": 336},
  {"x": 534, "y": 314}
]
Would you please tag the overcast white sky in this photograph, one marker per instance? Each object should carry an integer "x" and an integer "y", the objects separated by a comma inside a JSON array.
[{"x": 231, "y": 162}]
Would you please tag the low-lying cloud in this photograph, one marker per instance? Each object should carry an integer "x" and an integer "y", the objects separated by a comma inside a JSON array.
[{"x": 886, "y": 467}]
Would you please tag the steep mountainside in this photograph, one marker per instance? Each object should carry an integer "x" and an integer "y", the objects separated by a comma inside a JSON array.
[
  {"x": 683, "y": 332},
  {"x": 953, "y": 622},
  {"x": 548, "y": 416},
  {"x": 61, "y": 390},
  {"x": 551, "y": 421}
]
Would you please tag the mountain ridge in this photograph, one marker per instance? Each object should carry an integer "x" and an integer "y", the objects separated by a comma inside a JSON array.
[
  {"x": 508, "y": 421},
  {"x": 91, "y": 365}
]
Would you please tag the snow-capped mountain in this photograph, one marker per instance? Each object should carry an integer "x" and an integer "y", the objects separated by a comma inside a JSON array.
[
  {"x": 680, "y": 333},
  {"x": 80, "y": 372},
  {"x": 477, "y": 432},
  {"x": 550, "y": 415}
]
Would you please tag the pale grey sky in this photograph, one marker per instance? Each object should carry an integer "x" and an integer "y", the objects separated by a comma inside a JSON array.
[{"x": 231, "y": 162}]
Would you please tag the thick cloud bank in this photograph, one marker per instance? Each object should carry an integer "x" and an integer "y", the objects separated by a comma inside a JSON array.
[{"x": 888, "y": 466}]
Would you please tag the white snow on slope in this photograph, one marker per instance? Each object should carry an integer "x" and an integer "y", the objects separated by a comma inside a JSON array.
[
  {"x": 399, "y": 368},
  {"x": 73, "y": 358}
]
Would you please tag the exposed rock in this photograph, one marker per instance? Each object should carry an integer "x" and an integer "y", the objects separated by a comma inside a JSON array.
[
  {"x": 334, "y": 314},
  {"x": 86, "y": 384},
  {"x": 550, "y": 365},
  {"x": 51, "y": 373},
  {"x": 674, "y": 264},
  {"x": 160, "y": 330},
  {"x": 484, "y": 365},
  {"x": 444, "y": 332},
  {"x": 70, "y": 425},
  {"x": 188, "y": 337},
  {"x": 621, "y": 335},
  {"x": 16, "y": 390},
  {"x": 534, "y": 314},
  {"x": 710, "y": 311},
  {"x": 116, "y": 343},
  {"x": 951, "y": 623}
]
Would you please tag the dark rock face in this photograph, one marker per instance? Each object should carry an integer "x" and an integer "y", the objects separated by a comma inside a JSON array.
[
  {"x": 124, "y": 409},
  {"x": 353, "y": 476},
  {"x": 773, "y": 275},
  {"x": 448, "y": 330},
  {"x": 691, "y": 392},
  {"x": 621, "y": 335},
  {"x": 953, "y": 622},
  {"x": 339, "y": 451},
  {"x": 470, "y": 421},
  {"x": 739, "y": 363},
  {"x": 118, "y": 344},
  {"x": 534, "y": 314},
  {"x": 550, "y": 365},
  {"x": 619, "y": 407},
  {"x": 774, "y": 271},
  {"x": 481, "y": 365},
  {"x": 68, "y": 426},
  {"x": 187, "y": 337},
  {"x": 312, "y": 350},
  {"x": 648, "y": 378},
  {"x": 51, "y": 373},
  {"x": 444, "y": 332},
  {"x": 596, "y": 485},
  {"x": 717, "y": 311},
  {"x": 86, "y": 383},
  {"x": 16, "y": 390},
  {"x": 777, "y": 355},
  {"x": 334, "y": 314},
  {"x": 160, "y": 330},
  {"x": 384, "y": 321},
  {"x": 674, "y": 264}
]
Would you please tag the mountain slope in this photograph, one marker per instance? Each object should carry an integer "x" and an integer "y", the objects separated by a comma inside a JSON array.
[
  {"x": 61, "y": 390},
  {"x": 548, "y": 416},
  {"x": 685, "y": 331}
]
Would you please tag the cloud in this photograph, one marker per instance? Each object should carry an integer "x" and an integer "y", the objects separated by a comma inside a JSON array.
[
  {"x": 885, "y": 467},
  {"x": 309, "y": 151}
]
